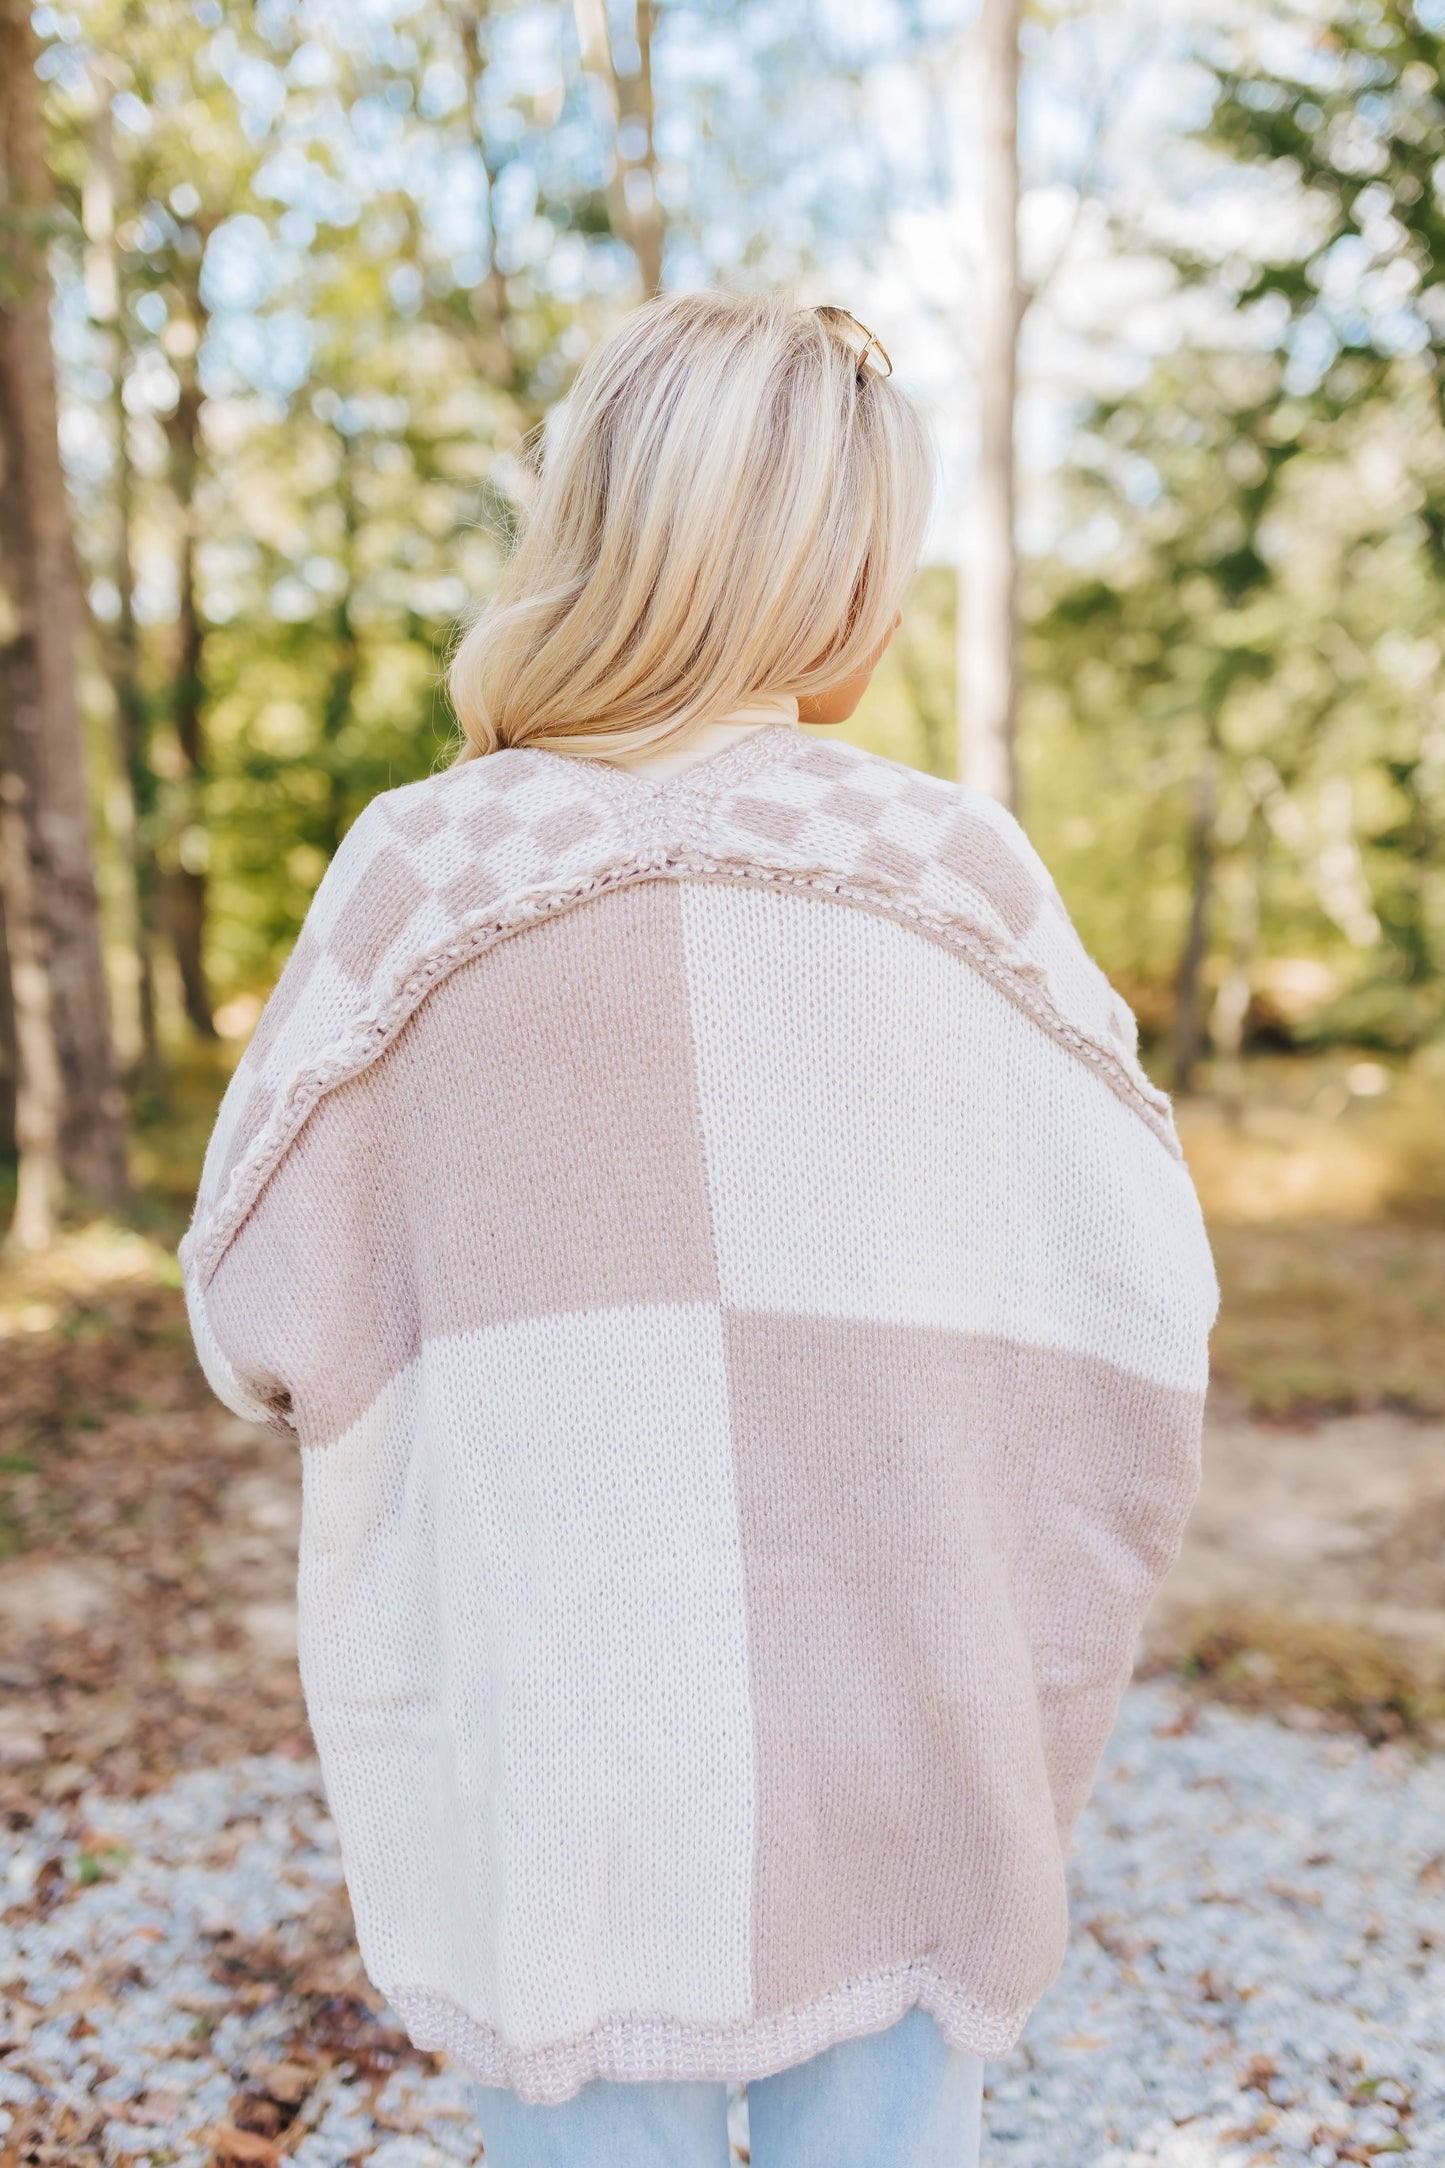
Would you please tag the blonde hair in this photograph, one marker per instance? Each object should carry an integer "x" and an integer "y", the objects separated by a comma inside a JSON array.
[{"x": 728, "y": 506}]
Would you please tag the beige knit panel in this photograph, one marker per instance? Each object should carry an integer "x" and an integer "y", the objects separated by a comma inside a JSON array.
[
  {"x": 945, "y": 1572},
  {"x": 315, "y": 1303},
  {"x": 529, "y": 1144}
]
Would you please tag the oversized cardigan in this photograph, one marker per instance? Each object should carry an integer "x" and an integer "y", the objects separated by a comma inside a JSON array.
[{"x": 743, "y": 1313}]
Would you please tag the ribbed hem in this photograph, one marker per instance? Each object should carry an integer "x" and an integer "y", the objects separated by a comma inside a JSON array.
[{"x": 637, "y": 2049}]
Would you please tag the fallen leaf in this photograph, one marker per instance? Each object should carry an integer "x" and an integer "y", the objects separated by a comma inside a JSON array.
[
  {"x": 17, "y": 2022},
  {"x": 151, "y": 2108},
  {"x": 230, "y": 2144},
  {"x": 1310, "y": 1899},
  {"x": 287, "y": 2082}
]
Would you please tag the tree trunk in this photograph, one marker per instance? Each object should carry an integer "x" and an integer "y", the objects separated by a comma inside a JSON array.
[
  {"x": 1230, "y": 1015},
  {"x": 46, "y": 743},
  {"x": 132, "y": 727},
  {"x": 346, "y": 655},
  {"x": 490, "y": 305},
  {"x": 122, "y": 644},
  {"x": 39, "y": 1090},
  {"x": 7, "y": 1043},
  {"x": 1189, "y": 976},
  {"x": 639, "y": 178},
  {"x": 988, "y": 605},
  {"x": 632, "y": 200},
  {"x": 186, "y": 882}
]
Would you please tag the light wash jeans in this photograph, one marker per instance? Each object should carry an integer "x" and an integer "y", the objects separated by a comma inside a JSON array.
[{"x": 896, "y": 2099}]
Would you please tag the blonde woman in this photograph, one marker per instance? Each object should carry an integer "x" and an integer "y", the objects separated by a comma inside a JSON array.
[{"x": 740, "y": 1304}]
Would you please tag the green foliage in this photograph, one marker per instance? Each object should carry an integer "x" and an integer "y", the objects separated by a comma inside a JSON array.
[
  {"x": 322, "y": 272},
  {"x": 1237, "y": 695},
  {"x": 909, "y": 710},
  {"x": 1276, "y": 1659}
]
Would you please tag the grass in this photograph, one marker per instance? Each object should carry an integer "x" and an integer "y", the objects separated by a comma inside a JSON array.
[
  {"x": 1285, "y": 1661},
  {"x": 1323, "y": 1185},
  {"x": 1331, "y": 1319}
]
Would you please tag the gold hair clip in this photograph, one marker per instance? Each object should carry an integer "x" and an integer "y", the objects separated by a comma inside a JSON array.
[{"x": 843, "y": 321}]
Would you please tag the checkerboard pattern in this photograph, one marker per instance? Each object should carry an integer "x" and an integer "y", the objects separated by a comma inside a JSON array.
[
  {"x": 432, "y": 873},
  {"x": 744, "y": 1317}
]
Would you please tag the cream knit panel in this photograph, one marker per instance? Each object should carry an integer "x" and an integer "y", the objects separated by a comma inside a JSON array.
[
  {"x": 373, "y": 1637},
  {"x": 525, "y": 1659},
  {"x": 888, "y": 1137}
]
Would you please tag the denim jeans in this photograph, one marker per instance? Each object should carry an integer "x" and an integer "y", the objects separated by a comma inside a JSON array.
[{"x": 896, "y": 2099}]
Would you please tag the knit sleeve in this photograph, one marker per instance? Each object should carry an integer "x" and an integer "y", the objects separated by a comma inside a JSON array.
[
  {"x": 241, "y": 1385},
  {"x": 314, "y": 1293},
  {"x": 1097, "y": 1480}
]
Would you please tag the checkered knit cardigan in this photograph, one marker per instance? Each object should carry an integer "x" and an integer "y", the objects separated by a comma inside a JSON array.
[{"x": 744, "y": 1316}]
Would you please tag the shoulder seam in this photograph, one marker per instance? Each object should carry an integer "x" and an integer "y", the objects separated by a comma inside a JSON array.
[{"x": 374, "y": 1029}]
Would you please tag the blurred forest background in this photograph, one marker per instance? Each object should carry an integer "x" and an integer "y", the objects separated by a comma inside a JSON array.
[
  {"x": 317, "y": 270},
  {"x": 286, "y": 286}
]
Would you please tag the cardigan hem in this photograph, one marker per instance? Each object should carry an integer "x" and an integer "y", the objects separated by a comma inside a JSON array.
[{"x": 644, "y": 2049}]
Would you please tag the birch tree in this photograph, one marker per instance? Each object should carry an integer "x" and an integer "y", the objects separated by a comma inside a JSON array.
[
  {"x": 988, "y": 612},
  {"x": 632, "y": 200}
]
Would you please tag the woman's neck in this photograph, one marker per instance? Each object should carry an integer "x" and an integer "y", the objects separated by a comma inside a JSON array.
[{"x": 764, "y": 713}]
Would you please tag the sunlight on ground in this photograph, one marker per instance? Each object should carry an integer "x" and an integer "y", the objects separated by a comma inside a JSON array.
[
  {"x": 1296, "y": 1140},
  {"x": 1323, "y": 1185},
  {"x": 1263, "y": 1164},
  {"x": 86, "y": 1262}
]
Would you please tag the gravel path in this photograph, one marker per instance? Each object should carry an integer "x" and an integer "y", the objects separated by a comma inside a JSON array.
[
  {"x": 1257, "y": 1971},
  {"x": 1257, "y": 1968}
]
